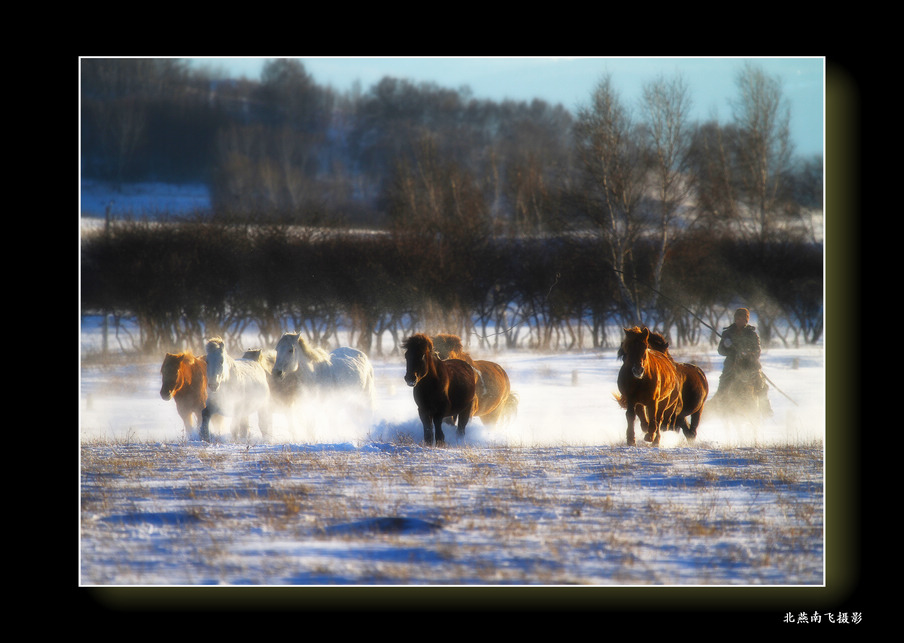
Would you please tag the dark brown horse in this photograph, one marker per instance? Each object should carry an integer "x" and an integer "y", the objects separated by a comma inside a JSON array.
[
  {"x": 694, "y": 391},
  {"x": 441, "y": 388},
  {"x": 496, "y": 402},
  {"x": 185, "y": 381},
  {"x": 647, "y": 378}
]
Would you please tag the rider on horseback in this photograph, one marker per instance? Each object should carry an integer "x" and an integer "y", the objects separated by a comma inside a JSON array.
[{"x": 741, "y": 347}]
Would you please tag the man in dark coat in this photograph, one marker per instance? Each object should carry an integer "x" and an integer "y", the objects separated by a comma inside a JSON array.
[{"x": 740, "y": 345}]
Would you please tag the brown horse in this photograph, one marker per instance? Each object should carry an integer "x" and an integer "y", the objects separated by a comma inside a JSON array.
[
  {"x": 441, "y": 388},
  {"x": 496, "y": 402},
  {"x": 694, "y": 391},
  {"x": 185, "y": 381},
  {"x": 648, "y": 378}
]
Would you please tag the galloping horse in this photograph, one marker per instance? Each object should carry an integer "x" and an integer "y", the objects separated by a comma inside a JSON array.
[
  {"x": 236, "y": 388},
  {"x": 185, "y": 381},
  {"x": 300, "y": 368},
  {"x": 694, "y": 391},
  {"x": 495, "y": 400},
  {"x": 648, "y": 378},
  {"x": 441, "y": 388}
]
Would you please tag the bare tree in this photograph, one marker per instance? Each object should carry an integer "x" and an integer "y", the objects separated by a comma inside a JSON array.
[
  {"x": 292, "y": 96},
  {"x": 613, "y": 161},
  {"x": 437, "y": 198},
  {"x": 666, "y": 104},
  {"x": 114, "y": 94},
  {"x": 714, "y": 191},
  {"x": 762, "y": 146},
  {"x": 529, "y": 195}
]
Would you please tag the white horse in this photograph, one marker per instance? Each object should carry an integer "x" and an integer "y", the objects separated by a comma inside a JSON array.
[
  {"x": 304, "y": 369},
  {"x": 236, "y": 388},
  {"x": 284, "y": 391}
]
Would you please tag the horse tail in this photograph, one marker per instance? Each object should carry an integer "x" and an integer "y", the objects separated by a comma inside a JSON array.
[
  {"x": 510, "y": 406},
  {"x": 621, "y": 399}
]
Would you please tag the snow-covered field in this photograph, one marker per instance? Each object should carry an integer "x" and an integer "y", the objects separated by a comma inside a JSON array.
[{"x": 556, "y": 498}]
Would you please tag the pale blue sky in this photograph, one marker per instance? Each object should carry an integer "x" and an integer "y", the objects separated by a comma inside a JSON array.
[{"x": 570, "y": 81}]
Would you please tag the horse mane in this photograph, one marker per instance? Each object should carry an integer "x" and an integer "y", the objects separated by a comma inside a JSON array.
[
  {"x": 418, "y": 342},
  {"x": 449, "y": 346},
  {"x": 186, "y": 354},
  {"x": 179, "y": 363},
  {"x": 655, "y": 341},
  {"x": 265, "y": 358},
  {"x": 169, "y": 358},
  {"x": 312, "y": 353}
]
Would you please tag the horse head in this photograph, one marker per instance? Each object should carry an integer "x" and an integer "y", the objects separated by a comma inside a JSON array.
[
  {"x": 170, "y": 373},
  {"x": 655, "y": 341},
  {"x": 418, "y": 358},
  {"x": 634, "y": 349},
  {"x": 287, "y": 349},
  {"x": 217, "y": 371}
]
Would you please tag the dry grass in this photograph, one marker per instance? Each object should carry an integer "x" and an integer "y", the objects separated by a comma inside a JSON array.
[{"x": 274, "y": 515}]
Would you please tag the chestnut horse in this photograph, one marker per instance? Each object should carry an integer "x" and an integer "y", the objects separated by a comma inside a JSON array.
[
  {"x": 648, "y": 378},
  {"x": 495, "y": 400},
  {"x": 441, "y": 388},
  {"x": 185, "y": 381},
  {"x": 694, "y": 391}
]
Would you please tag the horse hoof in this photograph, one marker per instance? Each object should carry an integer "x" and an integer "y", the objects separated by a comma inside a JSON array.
[{"x": 648, "y": 437}]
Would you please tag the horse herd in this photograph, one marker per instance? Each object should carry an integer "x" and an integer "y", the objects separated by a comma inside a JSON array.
[{"x": 448, "y": 386}]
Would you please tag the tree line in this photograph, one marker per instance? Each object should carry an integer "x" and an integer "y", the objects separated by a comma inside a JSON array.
[
  {"x": 186, "y": 282},
  {"x": 447, "y": 178}
]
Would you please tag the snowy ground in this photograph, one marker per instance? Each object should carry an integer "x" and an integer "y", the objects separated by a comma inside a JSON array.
[{"x": 554, "y": 499}]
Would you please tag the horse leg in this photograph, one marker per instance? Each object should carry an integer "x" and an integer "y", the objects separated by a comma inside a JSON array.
[
  {"x": 690, "y": 432},
  {"x": 492, "y": 418},
  {"x": 648, "y": 427},
  {"x": 655, "y": 419},
  {"x": 465, "y": 416},
  {"x": 463, "y": 420},
  {"x": 642, "y": 417},
  {"x": 188, "y": 422},
  {"x": 630, "y": 415},
  {"x": 264, "y": 420},
  {"x": 204, "y": 430},
  {"x": 427, "y": 422},
  {"x": 240, "y": 432},
  {"x": 438, "y": 429}
]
